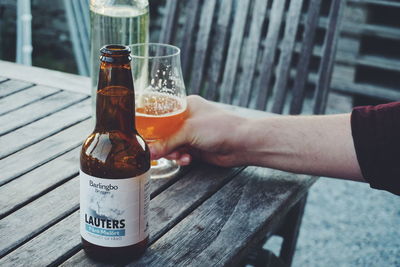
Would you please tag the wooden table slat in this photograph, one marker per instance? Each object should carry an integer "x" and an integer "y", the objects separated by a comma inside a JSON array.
[
  {"x": 239, "y": 208},
  {"x": 179, "y": 199},
  {"x": 165, "y": 209},
  {"x": 53, "y": 245},
  {"x": 42, "y": 152},
  {"x": 38, "y": 130},
  {"x": 38, "y": 110},
  {"x": 25, "y": 97},
  {"x": 34, "y": 183},
  {"x": 38, "y": 215},
  {"x": 204, "y": 216},
  {"x": 47, "y": 77},
  {"x": 12, "y": 86}
]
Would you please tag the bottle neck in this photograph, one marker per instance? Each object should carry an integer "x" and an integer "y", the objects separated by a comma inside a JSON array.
[{"x": 115, "y": 105}]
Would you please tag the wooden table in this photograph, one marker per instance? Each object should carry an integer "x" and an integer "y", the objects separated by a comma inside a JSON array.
[{"x": 206, "y": 216}]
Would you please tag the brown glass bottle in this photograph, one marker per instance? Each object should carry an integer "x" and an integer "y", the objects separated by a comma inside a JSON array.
[{"x": 114, "y": 160}]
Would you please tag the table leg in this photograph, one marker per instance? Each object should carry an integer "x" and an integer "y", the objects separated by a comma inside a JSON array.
[{"x": 289, "y": 231}]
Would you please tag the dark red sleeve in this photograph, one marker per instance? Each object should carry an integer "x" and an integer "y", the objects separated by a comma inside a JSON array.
[{"x": 376, "y": 135}]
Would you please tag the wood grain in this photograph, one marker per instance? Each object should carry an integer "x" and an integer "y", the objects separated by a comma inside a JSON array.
[
  {"x": 240, "y": 214},
  {"x": 12, "y": 86},
  {"x": 53, "y": 245},
  {"x": 42, "y": 152},
  {"x": 305, "y": 56},
  {"x": 35, "y": 183},
  {"x": 24, "y": 97},
  {"x": 327, "y": 60},
  {"x": 38, "y": 215},
  {"x": 219, "y": 40},
  {"x": 38, "y": 110},
  {"x": 283, "y": 68},
  {"x": 169, "y": 22},
  {"x": 201, "y": 46},
  {"x": 38, "y": 130},
  {"x": 46, "y": 77},
  {"x": 233, "y": 54},
  {"x": 266, "y": 66},
  {"x": 187, "y": 43},
  {"x": 166, "y": 209},
  {"x": 250, "y": 52}
]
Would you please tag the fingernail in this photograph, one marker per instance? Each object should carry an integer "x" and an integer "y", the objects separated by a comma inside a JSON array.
[
  {"x": 185, "y": 160},
  {"x": 153, "y": 152}
]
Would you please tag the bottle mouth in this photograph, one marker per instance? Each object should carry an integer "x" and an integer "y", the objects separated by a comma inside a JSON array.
[
  {"x": 115, "y": 49},
  {"x": 115, "y": 53}
]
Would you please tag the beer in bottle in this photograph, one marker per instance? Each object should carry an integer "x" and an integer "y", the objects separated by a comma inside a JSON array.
[{"x": 114, "y": 168}]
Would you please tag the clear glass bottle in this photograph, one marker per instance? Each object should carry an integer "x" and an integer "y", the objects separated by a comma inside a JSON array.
[{"x": 123, "y": 22}]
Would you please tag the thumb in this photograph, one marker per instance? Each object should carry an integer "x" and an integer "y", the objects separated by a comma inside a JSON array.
[{"x": 161, "y": 148}]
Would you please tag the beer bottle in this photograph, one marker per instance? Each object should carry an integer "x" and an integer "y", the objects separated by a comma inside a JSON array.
[{"x": 114, "y": 168}]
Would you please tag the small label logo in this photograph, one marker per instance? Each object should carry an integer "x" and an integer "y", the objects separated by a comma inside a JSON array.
[{"x": 108, "y": 187}]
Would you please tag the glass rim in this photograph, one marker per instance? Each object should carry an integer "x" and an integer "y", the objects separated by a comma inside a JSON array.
[{"x": 176, "y": 53}]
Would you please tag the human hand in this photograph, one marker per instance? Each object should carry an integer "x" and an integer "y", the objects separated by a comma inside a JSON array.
[{"x": 208, "y": 133}]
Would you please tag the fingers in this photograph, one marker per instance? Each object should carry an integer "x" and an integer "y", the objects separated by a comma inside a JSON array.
[
  {"x": 184, "y": 160},
  {"x": 165, "y": 147},
  {"x": 181, "y": 158},
  {"x": 184, "y": 136}
]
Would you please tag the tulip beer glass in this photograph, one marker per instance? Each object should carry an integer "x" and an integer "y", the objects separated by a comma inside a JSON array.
[{"x": 160, "y": 97}]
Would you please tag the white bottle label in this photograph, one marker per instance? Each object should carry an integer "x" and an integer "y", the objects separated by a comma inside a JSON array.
[{"x": 113, "y": 212}]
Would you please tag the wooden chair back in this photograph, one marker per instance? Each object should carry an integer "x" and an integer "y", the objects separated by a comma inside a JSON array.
[{"x": 256, "y": 53}]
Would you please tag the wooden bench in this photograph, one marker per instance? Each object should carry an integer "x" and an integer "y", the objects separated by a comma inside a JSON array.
[
  {"x": 254, "y": 54},
  {"x": 368, "y": 58}
]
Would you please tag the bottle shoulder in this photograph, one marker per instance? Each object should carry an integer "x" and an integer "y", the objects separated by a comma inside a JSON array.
[{"x": 114, "y": 154}]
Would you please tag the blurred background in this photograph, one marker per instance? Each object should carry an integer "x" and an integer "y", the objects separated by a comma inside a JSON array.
[{"x": 345, "y": 223}]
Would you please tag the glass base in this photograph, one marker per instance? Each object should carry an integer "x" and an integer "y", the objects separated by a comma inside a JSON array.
[{"x": 163, "y": 168}]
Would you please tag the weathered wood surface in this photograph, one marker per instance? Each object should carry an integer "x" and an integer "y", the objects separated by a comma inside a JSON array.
[
  {"x": 38, "y": 130},
  {"x": 305, "y": 57},
  {"x": 12, "y": 86},
  {"x": 39, "y": 193},
  {"x": 201, "y": 46},
  {"x": 188, "y": 31},
  {"x": 267, "y": 60},
  {"x": 282, "y": 74},
  {"x": 239, "y": 214},
  {"x": 166, "y": 209},
  {"x": 231, "y": 52},
  {"x": 38, "y": 215},
  {"x": 37, "y": 182},
  {"x": 250, "y": 47},
  {"x": 38, "y": 110},
  {"x": 57, "y": 79},
  {"x": 217, "y": 49},
  {"x": 52, "y": 246},
  {"x": 42, "y": 152},
  {"x": 24, "y": 97},
  {"x": 209, "y": 228},
  {"x": 327, "y": 60}
]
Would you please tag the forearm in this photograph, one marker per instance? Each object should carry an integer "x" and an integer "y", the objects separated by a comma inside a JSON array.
[{"x": 317, "y": 145}]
